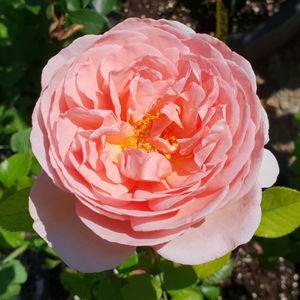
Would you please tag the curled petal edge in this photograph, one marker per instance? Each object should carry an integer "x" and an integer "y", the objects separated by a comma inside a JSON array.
[{"x": 269, "y": 170}]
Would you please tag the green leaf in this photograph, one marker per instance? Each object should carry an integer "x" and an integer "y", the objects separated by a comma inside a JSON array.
[
  {"x": 4, "y": 36},
  {"x": 35, "y": 167},
  {"x": 94, "y": 22},
  {"x": 77, "y": 283},
  {"x": 297, "y": 117},
  {"x": 221, "y": 275},
  {"x": 37, "y": 242},
  {"x": 10, "y": 120},
  {"x": 12, "y": 274},
  {"x": 139, "y": 287},
  {"x": 156, "y": 283},
  {"x": 10, "y": 291},
  {"x": 14, "y": 215},
  {"x": 9, "y": 75},
  {"x": 73, "y": 5},
  {"x": 35, "y": 6},
  {"x": 35, "y": 9},
  {"x": 280, "y": 212},
  {"x": 146, "y": 258},
  {"x": 211, "y": 292},
  {"x": 52, "y": 263},
  {"x": 104, "y": 6},
  {"x": 130, "y": 263},
  {"x": 85, "y": 3},
  {"x": 179, "y": 277},
  {"x": 110, "y": 289},
  {"x": 207, "y": 269},
  {"x": 10, "y": 239},
  {"x": 20, "y": 275},
  {"x": 50, "y": 251},
  {"x": 16, "y": 166},
  {"x": 24, "y": 182},
  {"x": 186, "y": 294},
  {"x": 164, "y": 265},
  {"x": 20, "y": 141}
]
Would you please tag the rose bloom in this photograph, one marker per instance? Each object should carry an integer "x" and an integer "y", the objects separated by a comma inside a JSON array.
[{"x": 148, "y": 135}]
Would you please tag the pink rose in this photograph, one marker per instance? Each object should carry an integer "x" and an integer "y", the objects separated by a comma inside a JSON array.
[{"x": 148, "y": 135}]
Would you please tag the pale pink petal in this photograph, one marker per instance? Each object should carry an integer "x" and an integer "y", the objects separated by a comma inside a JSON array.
[
  {"x": 40, "y": 144},
  {"x": 55, "y": 220},
  {"x": 139, "y": 165},
  {"x": 122, "y": 57},
  {"x": 195, "y": 96},
  {"x": 194, "y": 211},
  {"x": 172, "y": 111},
  {"x": 121, "y": 232},
  {"x": 67, "y": 56},
  {"x": 142, "y": 95},
  {"x": 178, "y": 29},
  {"x": 231, "y": 56},
  {"x": 88, "y": 88},
  {"x": 99, "y": 181},
  {"x": 173, "y": 27},
  {"x": 65, "y": 134},
  {"x": 111, "y": 169},
  {"x": 222, "y": 231},
  {"x": 269, "y": 170}
]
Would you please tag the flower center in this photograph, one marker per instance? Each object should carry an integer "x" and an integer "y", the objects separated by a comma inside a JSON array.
[{"x": 142, "y": 131}]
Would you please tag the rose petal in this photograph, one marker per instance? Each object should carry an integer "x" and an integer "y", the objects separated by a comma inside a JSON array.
[
  {"x": 221, "y": 232},
  {"x": 269, "y": 170},
  {"x": 55, "y": 221},
  {"x": 118, "y": 231},
  {"x": 67, "y": 56},
  {"x": 139, "y": 165}
]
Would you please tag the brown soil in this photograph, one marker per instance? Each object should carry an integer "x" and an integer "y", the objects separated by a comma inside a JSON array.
[
  {"x": 278, "y": 78},
  {"x": 200, "y": 15},
  {"x": 250, "y": 281}
]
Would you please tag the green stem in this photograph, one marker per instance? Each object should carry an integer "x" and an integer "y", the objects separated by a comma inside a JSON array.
[
  {"x": 165, "y": 295},
  {"x": 15, "y": 253}
]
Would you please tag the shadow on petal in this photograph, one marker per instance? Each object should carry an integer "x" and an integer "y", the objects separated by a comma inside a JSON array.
[{"x": 55, "y": 220}]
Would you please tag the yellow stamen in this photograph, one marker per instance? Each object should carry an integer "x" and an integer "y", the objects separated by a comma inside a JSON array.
[
  {"x": 141, "y": 133},
  {"x": 167, "y": 155}
]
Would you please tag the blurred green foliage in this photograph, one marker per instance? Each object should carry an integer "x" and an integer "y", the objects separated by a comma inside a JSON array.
[
  {"x": 157, "y": 283},
  {"x": 25, "y": 47}
]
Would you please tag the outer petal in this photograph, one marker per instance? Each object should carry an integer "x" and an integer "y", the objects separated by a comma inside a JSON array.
[
  {"x": 55, "y": 221},
  {"x": 269, "y": 170},
  {"x": 67, "y": 56},
  {"x": 221, "y": 232}
]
